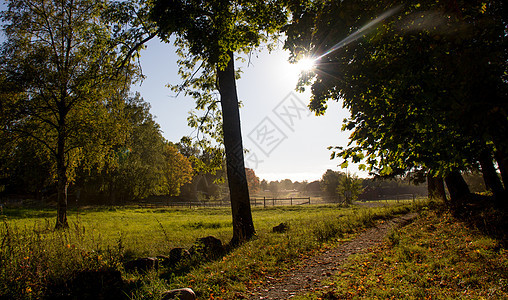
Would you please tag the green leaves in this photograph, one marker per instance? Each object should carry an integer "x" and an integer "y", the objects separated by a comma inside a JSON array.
[
  {"x": 414, "y": 101},
  {"x": 62, "y": 55},
  {"x": 212, "y": 28}
]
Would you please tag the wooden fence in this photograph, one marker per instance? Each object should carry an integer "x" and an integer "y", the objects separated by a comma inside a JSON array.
[
  {"x": 279, "y": 201},
  {"x": 396, "y": 197},
  {"x": 253, "y": 202}
]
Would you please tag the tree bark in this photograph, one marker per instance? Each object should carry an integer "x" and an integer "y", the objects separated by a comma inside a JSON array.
[
  {"x": 502, "y": 164},
  {"x": 436, "y": 188},
  {"x": 243, "y": 226},
  {"x": 61, "y": 169},
  {"x": 490, "y": 176},
  {"x": 61, "y": 217},
  {"x": 458, "y": 189}
]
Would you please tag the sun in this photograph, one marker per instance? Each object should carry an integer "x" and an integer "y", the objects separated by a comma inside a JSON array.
[{"x": 305, "y": 64}]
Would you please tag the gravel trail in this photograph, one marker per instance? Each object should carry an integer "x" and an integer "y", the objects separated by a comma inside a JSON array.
[{"x": 320, "y": 267}]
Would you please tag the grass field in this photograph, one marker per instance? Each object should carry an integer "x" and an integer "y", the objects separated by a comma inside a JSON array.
[
  {"x": 35, "y": 258},
  {"x": 436, "y": 257}
]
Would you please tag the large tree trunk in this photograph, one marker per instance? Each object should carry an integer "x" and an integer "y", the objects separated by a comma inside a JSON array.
[
  {"x": 243, "y": 226},
  {"x": 436, "y": 188},
  {"x": 458, "y": 189},
  {"x": 492, "y": 181}
]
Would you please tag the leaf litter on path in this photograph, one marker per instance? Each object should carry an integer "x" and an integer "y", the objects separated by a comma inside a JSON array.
[{"x": 318, "y": 268}]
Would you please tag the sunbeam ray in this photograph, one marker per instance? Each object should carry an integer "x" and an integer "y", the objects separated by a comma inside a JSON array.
[{"x": 360, "y": 32}]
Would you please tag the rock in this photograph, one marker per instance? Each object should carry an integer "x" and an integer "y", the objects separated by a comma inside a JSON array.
[
  {"x": 176, "y": 255},
  {"x": 142, "y": 264},
  {"x": 210, "y": 247},
  {"x": 281, "y": 228},
  {"x": 180, "y": 294},
  {"x": 163, "y": 260}
]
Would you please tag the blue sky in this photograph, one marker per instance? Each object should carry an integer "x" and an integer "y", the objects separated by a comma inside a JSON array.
[{"x": 284, "y": 139}]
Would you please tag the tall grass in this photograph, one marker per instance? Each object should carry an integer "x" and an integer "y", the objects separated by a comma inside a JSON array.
[
  {"x": 32, "y": 259},
  {"x": 36, "y": 260}
]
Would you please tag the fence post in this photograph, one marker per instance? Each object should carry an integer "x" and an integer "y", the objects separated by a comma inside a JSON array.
[
  {"x": 264, "y": 202},
  {"x": 291, "y": 201},
  {"x": 273, "y": 201}
]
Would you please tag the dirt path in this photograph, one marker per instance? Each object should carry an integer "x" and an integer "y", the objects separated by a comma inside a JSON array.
[{"x": 320, "y": 267}]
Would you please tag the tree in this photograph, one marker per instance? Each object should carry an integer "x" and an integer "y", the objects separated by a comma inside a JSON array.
[
  {"x": 263, "y": 185},
  {"x": 141, "y": 159},
  {"x": 436, "y": 189},
  {"x": 274, "y": 187},
  {"x": 313, "y": 188},
  {"x": 286, "y": 184},
  {"x": 300, "y": 186},
  {"x": 62, "y": 56},
  {"x": 330, "y": 182},
  {"x": 209, "y": 170},
  {"x": 25, "y": 168},
  {"x": 142, "y": 165},
  {"x": 252, "y": 180},
  {"x": 177, "y": 171},
  {"x": 422, "y": 98},
  {"x": 211, "y": 32},
  {"x": 350, "y": 186},
  {"x": 208, "y": 33}
]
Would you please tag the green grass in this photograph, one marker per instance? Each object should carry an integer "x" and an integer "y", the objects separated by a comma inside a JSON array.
[
  {"x": 34, "y": 258},
  {"x": 436, "y": 257}
]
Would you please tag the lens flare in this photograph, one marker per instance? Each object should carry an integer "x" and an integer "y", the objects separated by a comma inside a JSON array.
[
  {"x": 362, "y": 31},
  {"x": 306, "y": 64}
]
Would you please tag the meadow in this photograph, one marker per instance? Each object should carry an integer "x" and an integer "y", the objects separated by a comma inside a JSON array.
[
  {"x": 37, "y": 261},
  {"x": 35, "y": 258}
]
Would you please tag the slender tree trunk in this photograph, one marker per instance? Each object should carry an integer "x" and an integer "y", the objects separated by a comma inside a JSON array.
[
  {"x": 61, "y": 217},
  {"x": 457, "y": 187},
  {"x": 436, "y": 188},
  {"x": 492, "y": 181},
  {"x": 61, "y": 169},
  {"x": 243, "y": 226},
  {"x": 502, "y": 164}
]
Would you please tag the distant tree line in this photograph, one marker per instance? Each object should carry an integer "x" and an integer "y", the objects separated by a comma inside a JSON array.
[{"x": 337, "y": 186}]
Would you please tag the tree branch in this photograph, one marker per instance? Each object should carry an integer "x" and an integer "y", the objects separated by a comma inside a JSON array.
[{"x": 136, "y": 48}]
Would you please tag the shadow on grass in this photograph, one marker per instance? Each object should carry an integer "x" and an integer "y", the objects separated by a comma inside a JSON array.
[
  {"x": 481, "y": 213},
  {"x": 26, "y": 213}
]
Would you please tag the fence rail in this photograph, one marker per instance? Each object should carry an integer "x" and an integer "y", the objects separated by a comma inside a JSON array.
[
  {"x": 281, "y": 201},
  {"x": 253, "y": 202},
  {"x": 265, "y": 201},
  {"x": 396, "y": 197}
]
